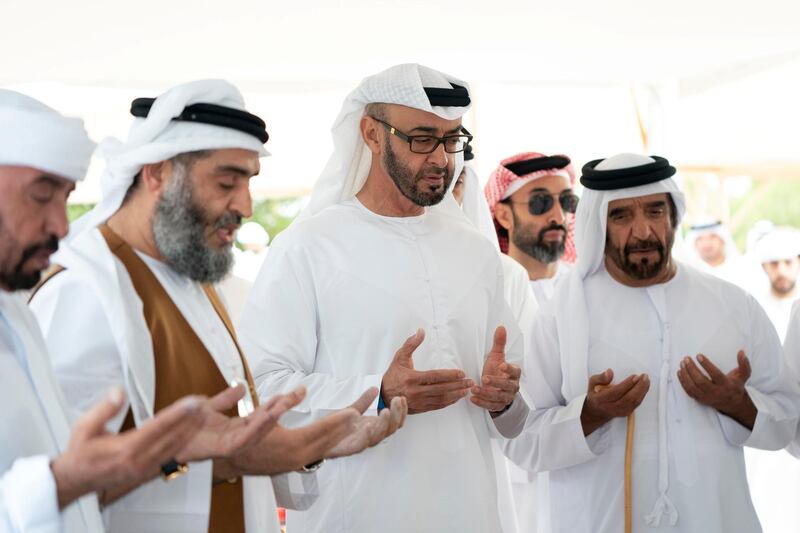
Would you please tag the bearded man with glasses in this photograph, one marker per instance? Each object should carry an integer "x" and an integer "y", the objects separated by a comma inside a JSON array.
[{"x": 383, "y": 281}]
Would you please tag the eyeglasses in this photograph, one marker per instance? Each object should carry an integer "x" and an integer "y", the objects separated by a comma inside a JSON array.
[
  {"x": 426, "y": 144},
  {"x": 541, "y": 202}
]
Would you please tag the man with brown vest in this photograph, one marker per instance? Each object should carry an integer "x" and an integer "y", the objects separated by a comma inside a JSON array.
[
  {"x": 53, "y": 472},
  {"x": 138, "y": 283}
]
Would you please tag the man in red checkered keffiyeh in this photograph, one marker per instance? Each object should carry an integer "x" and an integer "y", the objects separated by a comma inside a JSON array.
[{"x": 532, "y": 202}]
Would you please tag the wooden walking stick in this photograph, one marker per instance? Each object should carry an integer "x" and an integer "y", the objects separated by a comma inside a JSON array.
[{"x": 628, "y": 468}]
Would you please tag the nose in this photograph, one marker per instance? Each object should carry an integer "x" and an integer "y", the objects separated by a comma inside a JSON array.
[
  {"x": 56, "y": 222},
  {"x": 556, "y": 214},
  {"x": 641, "y": 229},
  {"x": 242, "y": 201},
  {"x": 438, "y": 157}
]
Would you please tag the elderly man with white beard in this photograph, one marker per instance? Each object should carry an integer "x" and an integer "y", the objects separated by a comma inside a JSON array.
[
  {"x": 631, "y": 329},
  {"x": 137, "y": 282}
]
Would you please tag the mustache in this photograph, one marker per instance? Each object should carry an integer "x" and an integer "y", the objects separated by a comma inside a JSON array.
[
  {"x": 551, "y": 227},
  {"x": 49, "y": 245},
  {"x": 441, "y": 171},
  {"x": 644, "y": 246},
  {"x": 228, "y": 219}
]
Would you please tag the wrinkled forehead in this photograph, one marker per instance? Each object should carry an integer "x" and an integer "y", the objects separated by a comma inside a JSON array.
[{"x": 638, "y": 201}]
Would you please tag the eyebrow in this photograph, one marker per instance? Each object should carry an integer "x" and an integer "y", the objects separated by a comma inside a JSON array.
[
  {"x": 235, "y": 169},
  {"x": 657, "y": 203},
  {"x": 429, "y": 129},
  {"x": 55, "y": 182},
  {"x": 619, "y": 210}
]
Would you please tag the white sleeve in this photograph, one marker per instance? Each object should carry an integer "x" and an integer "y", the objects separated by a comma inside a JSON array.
[
  {"x": 28, "y": 497},
  {"x": 553, "y": 435},
  {"x": 278, "y": 334},
  {"x": 791, "y": 354},
  {"x": 510, "y": 423},
  {"x": 772, "y": 387},
  {"x": 80, "y": 342}
]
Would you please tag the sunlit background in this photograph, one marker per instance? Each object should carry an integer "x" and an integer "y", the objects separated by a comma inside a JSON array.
[{"x": 712, "y": 85}]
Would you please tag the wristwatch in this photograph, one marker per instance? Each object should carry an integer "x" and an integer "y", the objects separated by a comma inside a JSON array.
[
  {"x": 313, "y": 467},
  {"x": 172, "y": 469}
]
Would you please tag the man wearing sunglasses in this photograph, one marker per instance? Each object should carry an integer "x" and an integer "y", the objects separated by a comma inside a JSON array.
[{"x": 533, "y": 206}]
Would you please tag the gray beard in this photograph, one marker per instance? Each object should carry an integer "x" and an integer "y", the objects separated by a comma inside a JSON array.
[
  {"x": 179, "y": 230},
  {"x": 535, "y": 245}
]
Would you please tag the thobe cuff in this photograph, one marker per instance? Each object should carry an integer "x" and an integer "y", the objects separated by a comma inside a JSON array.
[
  {"x": 29, "y": 494},
  {"x": 510, "y": 423},
  {"x": 773, "y": 429},
  {"x": 587, "y": 447}
]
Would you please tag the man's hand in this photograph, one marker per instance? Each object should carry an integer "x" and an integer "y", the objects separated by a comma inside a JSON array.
[
  {"x": 723, "y": 392},
  {"x": 96, "y": 459},
  {"x": 424, "y": 391},
  {"x": 370, "y": 430},
  {"x": 344, "y": 432},
  {"x": 499, "y": 379},
  {"x": 605, "y": 401},
  {"x": 223, "y": 436}
]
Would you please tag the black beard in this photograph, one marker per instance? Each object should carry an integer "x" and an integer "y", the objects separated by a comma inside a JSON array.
[
  {"x": 535, "y": 245},
  {"x": 406, "y": 182},
  {"x": 645, "y": 269},
  {"x": 784, "y": 290},
  {"x": 17, "y": 279},
  {"x": 179, "y": 230}
]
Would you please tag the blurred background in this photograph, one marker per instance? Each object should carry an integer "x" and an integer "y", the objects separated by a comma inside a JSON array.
[{"x": 711, "y": 85}]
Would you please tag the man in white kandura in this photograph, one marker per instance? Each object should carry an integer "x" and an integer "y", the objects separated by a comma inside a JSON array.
[
  {"x": 712, "y": 249},
  {"x": 383, "y": 251},
  {"x": 45, "y": 464},
  {"x": 137, "y": 284},
  {"x": 533, "y": 206},
  {"x": 531, "y": 198},
  {"x": 779, "y": 255},
  {"x": 774, "y": 477},
  {"x": 631, "y": 329}
]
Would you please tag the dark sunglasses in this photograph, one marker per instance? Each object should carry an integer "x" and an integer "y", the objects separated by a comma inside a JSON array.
[{"x": 541, "y": 202}]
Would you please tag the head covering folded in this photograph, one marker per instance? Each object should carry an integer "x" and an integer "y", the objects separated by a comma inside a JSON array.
[
  {"x": 34, "y": 135},
  {"x": 199, "y": 115},
  {"x": 781, "y": 244},
  {"x": 473, "y": 204},
  {"x": 517, "y": 171},
  {"x": 572, "y": 315},
  {"x": 410, "y": 85}
]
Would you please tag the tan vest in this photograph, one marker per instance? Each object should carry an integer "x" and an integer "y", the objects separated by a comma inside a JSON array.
[{"x": 183, "y": 365}]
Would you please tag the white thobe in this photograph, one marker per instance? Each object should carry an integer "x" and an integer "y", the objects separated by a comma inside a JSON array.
[
  {"x": 530, "y": 489},
  {"x": 778, "y": 309},
  {"x": 775, "y": 476},
  {"x": 543, "y": 289},
  {"x": 35, "y": 429},
  {"x": 339, "y": 293},
  {"x": 650, "y": 330},
  {"x": 90, "y": 358}
]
